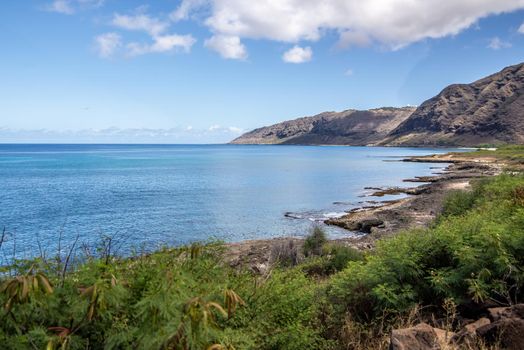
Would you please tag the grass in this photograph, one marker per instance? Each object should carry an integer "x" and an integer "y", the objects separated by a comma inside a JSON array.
[
  {"x": 333, "y": 298},
  {"x": 511, "y": 153}
]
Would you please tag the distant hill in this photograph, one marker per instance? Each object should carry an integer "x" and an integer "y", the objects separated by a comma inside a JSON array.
[
  {"x": 488, "y": 111},
  {"x": 349, "y": 127}
]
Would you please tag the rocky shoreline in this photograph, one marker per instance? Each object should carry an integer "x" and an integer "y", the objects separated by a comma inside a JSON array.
[
  {"x": 423, "y": 202},
  {"x": 422, "y": 205}
]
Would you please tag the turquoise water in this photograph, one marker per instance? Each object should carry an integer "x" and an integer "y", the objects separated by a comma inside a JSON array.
[{"x": 171, "y": 194}]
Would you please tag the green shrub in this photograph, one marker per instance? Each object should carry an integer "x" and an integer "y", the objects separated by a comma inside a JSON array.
[
  {"x": 315, "y": 241},
  {"x": 334, "y": 258},
  {"x": 470, "y": 255},
  {"x": 281, "y": 313},
  {"x": 458, "y": 202},
  {"x": 340, "y": 256},
  {"x": 186, "y": 298}
]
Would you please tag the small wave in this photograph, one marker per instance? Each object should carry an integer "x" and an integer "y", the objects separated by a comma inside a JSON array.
[{"x": 333, "y": 215}]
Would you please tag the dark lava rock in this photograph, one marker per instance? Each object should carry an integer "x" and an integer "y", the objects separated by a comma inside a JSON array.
[
  {"x": 507, "y": 328},
  {"x": 420, "y": 337},
  {"x": 508, "y": 333},
  {"x": 468, "y": 333}
]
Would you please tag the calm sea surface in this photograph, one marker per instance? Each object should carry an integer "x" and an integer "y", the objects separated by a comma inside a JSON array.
[{"x": 172, "y": 194}]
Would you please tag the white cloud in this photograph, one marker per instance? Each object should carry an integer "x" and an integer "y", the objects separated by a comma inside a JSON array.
[
  {"x": 235, "y": 130},
  {"x": 61, "y": 6},
  {"x": 185, "y": 8},
  {"x": 69, "y": 7},
  {"x": 227, "y": 46},
  {"x": 496, "y": 44},
  {"x": 166, "y": 43},
  {"x": 389, "y": 23},
  {"x": 90, "y": 3},
  {"x": 107, "y": 44},
  {"x": 177, "y": 134},
  {"x": 521, "y": 29},
  {"x": 348, "y": 72},
  {"x": 229, "y": 130},
  {"x": 141, "y": 22},
  {"x": 298, "y": 54},
  {"x": 156, "y": 28},
  {"x": 162, "y": 43}
]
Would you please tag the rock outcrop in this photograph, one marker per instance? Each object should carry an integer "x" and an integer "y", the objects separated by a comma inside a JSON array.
[
  {"x": 420, "y": 337},
  {"x": 504, "y": 329}
]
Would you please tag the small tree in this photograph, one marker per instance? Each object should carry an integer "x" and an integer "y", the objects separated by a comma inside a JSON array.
[{"x": 315, "y": 241}]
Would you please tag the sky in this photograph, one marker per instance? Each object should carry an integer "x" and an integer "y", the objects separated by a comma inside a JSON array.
[{"x": 204, "y": 71}]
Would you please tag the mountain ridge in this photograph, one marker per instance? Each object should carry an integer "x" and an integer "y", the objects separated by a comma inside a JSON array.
[
  {"x": 487, "y": 111},
  {"x": 349, "y": 127}
]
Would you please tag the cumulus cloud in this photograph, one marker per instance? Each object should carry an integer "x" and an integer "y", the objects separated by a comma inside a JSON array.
[
  {"x": 389, "y": 23},
  {"x": 229, "y": 47},
  {"x": 298, "y": 54},
  {"x": 107, "y": 44},
  {"x": 69, "y": 7},
  {"x": 496, "y": 44},
  {"x": 156, "y": 29},
  {"x": 186, "y": 6},
  {"x": 162, "y": 43},
  {"x": 521, "y": 29},
  {"x": 141, "y": 22}
]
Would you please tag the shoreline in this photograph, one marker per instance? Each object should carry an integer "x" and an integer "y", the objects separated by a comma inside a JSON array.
[
  {"x": 424, "y": 202},
  {"x": 419, "y": 208}
]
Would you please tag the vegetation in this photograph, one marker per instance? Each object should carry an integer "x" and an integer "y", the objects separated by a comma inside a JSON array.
[
  {"x": 314, "y": 243},
  {"x": 333, "y": 298},
  {"x": 514, "y": 154}
]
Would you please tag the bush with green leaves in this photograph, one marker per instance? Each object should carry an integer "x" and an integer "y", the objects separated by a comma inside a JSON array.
[
  {"x": 315, "y": 241},
  {"x": 186, "y": 298},
  {"x": 469, "y": 255},
  {"x": 335, "y": 257}
]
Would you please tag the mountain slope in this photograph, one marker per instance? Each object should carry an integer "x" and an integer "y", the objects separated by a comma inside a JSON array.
[
  {"x": 490, "y": 110},
  {"x": 487, "y": 111},
  {"x": 350, "y": 127}
]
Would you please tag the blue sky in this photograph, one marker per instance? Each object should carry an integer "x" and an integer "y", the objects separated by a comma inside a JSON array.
[{"x": 201, "y": 71}]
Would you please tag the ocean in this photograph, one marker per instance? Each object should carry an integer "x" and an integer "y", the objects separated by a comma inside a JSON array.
[{"x": 156, "y": 195}]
